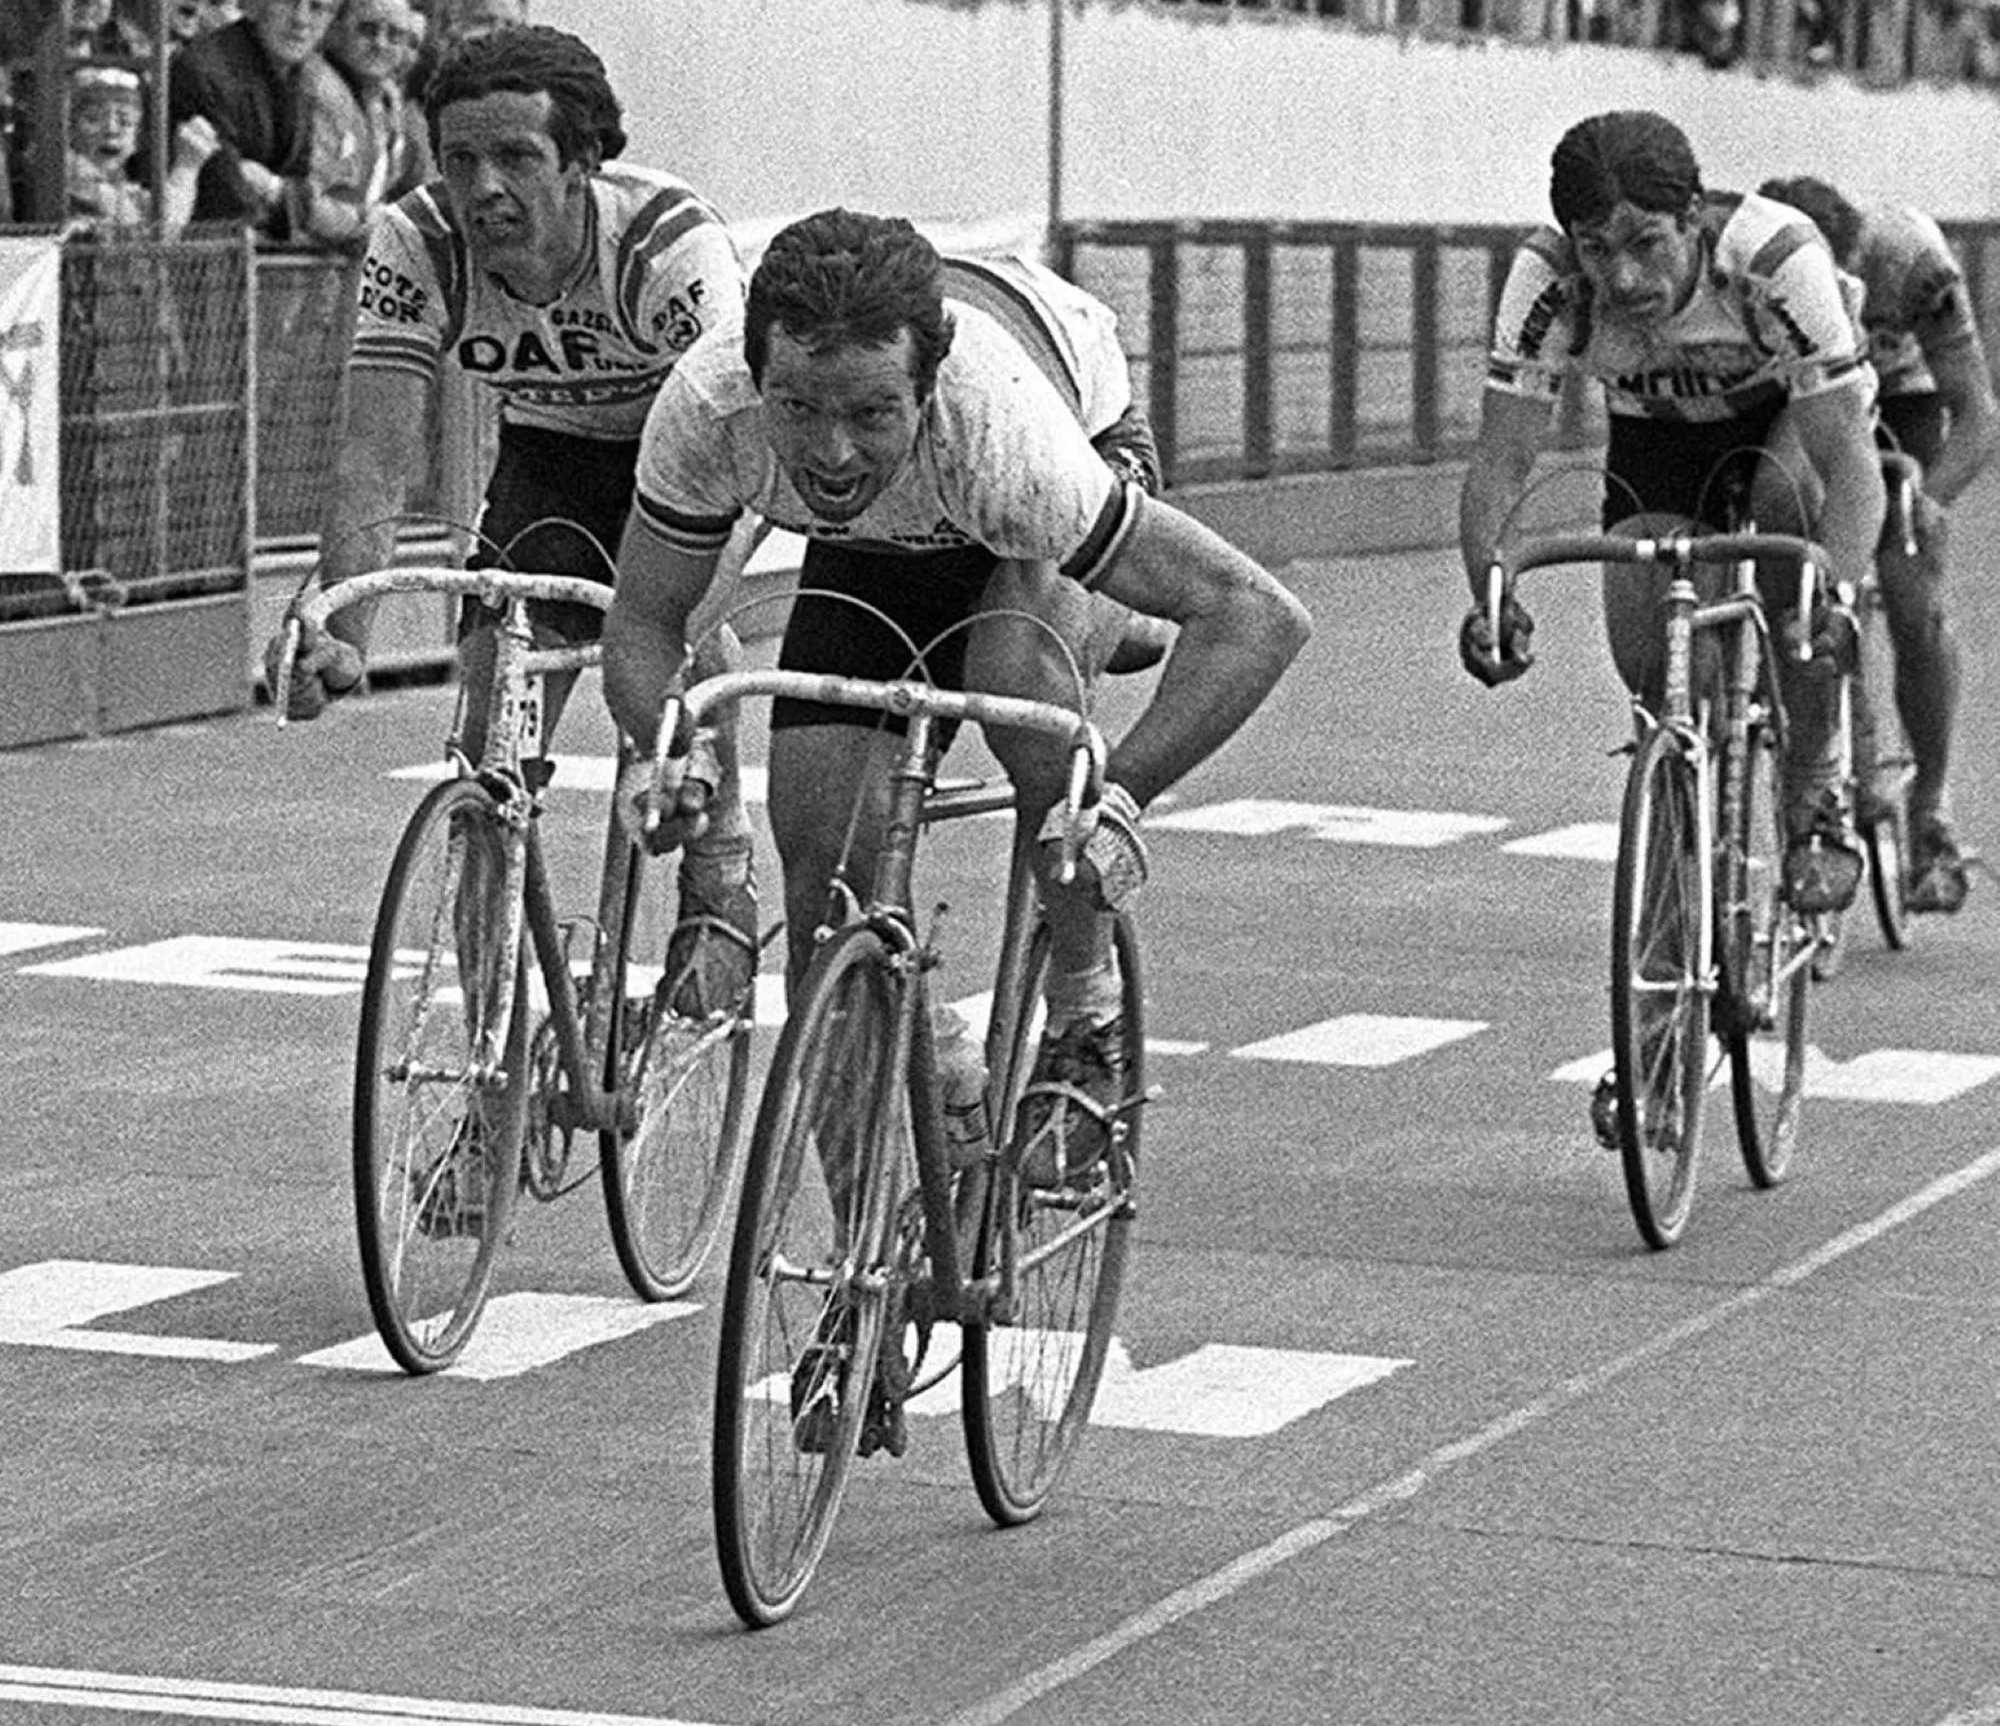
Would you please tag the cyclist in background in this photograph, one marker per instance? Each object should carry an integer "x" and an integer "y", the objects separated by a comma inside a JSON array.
[
  {"x": 937, "y": 473},
  {"x": 573, "y": 286},
  {"x": 1736, "y": 386},
  {"x": 1936, "y": 403}
]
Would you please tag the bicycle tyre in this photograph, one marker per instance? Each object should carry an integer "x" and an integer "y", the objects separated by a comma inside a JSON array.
[
  {"x": 1028, "y": 1384},
  {"x": 1885, "y": 837},
  {"x": 807, "y": 1284},
  {"x": 427, "y": 1254},
  {"x": 1769, "y": 960},
  {"x": 667, "y": 1183},
  {"x": 1659, "y": 996}
]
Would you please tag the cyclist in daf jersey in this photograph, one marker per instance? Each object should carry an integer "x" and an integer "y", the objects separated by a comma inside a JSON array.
[
  {"x": 1936, "y": 403},
  {"x": 876, "y": 404},
  {"x": 1736, "y": 386},
  {"x": 572, "y": 285}
]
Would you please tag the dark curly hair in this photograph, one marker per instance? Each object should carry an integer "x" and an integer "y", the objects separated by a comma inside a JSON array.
[
  {"x": 1632, "y": 156},
  {"x": 841, "y": 278},
  {"x": 1832, "y": 214},
  {"x": 584, "y": 117}
]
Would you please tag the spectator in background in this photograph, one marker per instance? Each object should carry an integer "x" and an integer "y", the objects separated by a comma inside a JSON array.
[
  {"x": 252, "y": 80},
  {"x": 187, "y": 19},
  {"x": 97, "y": 31},
  {"x": 454, "y": 21},
  {"x": 1713, "y": 30},
  {"x": 369, "y": 144},
  {"x": 106, "y": 109}
]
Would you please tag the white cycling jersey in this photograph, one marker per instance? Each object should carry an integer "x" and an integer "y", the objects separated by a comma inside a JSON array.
[
  {"x": 1002, "y": 458},
  {"x": 1916, "y": 302},
  {"x": 1768, "y": 322},
  {"x": 659, "y": 270}
]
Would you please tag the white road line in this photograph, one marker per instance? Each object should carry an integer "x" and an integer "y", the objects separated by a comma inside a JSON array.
[
  {"x": 1921, "y": 1078},
  {"x": 1588, "y": 841},
  {"x": 1361, "y": 1040},
  {"x": 1232, "y": 1578},
  {"x": 25, "y": 937},
  {"x": 1982, "y": 1710},
  {"x": 520, "y": 1332},
  {"x": 195, "y": 1700},
  {"x": 1332, "y": 823}
]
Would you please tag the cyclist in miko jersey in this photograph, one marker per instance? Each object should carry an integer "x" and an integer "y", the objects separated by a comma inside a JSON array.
[
  {"x": 1937, "y": 403},
  {"x": 873, "y": 407},
  {"x": 1735, "y": 382},
  {"x": 572, "y": 285}
]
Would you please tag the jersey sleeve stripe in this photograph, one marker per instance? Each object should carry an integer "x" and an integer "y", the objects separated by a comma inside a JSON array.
[
  {"x": 447, "y": 251},
  {"x": 1026, "y": 321},
  {"x": 1770, "y": 257},
  {"x": 696, "y": 533},
  {"x": 660, "y": 225},
  {"x": 387, "y": 353},
  {"x": 1091, "y": 562}
]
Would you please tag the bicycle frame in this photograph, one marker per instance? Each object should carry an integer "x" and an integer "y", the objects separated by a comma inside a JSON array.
[
  {"x": 914, "y": 803},
  {"x": 1751, "y": 674},
  {"x": 513, "y": 737}
]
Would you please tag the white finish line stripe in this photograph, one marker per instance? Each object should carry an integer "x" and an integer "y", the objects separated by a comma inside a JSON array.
[
  {"x": 119, "y": 1693},
  {"x": 1252, "y": 1566}
]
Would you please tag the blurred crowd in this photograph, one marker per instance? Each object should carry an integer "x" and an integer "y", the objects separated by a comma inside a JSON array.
[
  {"x": 295, "y": 118},
  {"x": 1878, "y": 41}
]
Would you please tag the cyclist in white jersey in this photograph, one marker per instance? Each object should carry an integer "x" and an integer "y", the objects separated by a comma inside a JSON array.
[
  {"x": 572, "y": 285},
  {"x": 1736, "y": 385},
  {"x": 937, "y": 471},
  {"x": 1937, "y": 404}
]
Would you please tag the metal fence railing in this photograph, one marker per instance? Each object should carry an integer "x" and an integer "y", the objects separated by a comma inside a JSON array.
[{"x": 156, "y": 427}]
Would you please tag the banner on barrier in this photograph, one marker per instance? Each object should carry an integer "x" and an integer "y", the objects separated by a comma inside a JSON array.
[{"x": 30, "y": 404}]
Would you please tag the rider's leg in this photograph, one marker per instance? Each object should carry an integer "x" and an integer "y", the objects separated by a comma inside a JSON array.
[
  {"x": 1078, "y": 1079},
  {"x": 1927, "y": 661}
]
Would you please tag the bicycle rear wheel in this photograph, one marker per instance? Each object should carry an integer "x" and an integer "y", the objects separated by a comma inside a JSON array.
[
  {"x": 667, "y": 1183},
  {"x": 804, "y": 1314},
  {"x": 1029, "y": 1381},
  {"x": 1885, "y": 834},
  {"x": 1768, "y": 960},
  {"x": 438, "y": 1118},
  {"x": 1659, "y": 992}
]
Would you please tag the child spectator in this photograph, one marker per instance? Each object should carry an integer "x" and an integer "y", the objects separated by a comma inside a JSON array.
[{"x": 106, "y": 109}]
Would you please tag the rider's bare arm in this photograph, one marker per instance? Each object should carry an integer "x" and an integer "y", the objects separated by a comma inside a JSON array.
[
  {"x": 381, "y": 446},
  {"x": 1238, "y": 630},
  {"x": 1972, "y": 422},
  {"x": 1835, "y": 429},
  {"x": 1512, "y": 430},
  {"x": 646, "y": 631}
]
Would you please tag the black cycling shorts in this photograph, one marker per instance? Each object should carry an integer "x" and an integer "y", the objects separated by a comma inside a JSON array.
[
  {"x": 1914, "y": 424},
  {"x": 1698, "y": 469},
  {"x": 556, "y": 505},
  {"x": 925, "y": 595}
]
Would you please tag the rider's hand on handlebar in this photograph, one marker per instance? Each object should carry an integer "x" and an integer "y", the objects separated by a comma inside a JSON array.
[
  {"x": 1517, "y": 634},
  {"x": 686, "y": 790},
  {"x": 323, "y": 669},
  {"x": 1111, "y": 853}
]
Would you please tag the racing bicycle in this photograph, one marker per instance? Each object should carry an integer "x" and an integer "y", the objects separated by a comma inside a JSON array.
[
  {"x": 488, "y": 1042},
  {"x": 1706, "y": 946},
  {"x": 856, "y": 1238}
]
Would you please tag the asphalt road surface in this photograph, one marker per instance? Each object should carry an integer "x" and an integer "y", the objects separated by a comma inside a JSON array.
[{"x": 1406, "y": 1427}]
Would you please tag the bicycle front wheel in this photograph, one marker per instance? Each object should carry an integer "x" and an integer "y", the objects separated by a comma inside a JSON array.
[
  {"x": 1659, "y": 987},
  {"x": 667, "y": 1181},
  {"x": 1030, "y": 1378},
  {"x": 805, "y": 1311},
  {"x": 1885, "y": 835},
  {"x": 440, "y": 1092},
  {"x": 1770, "y": 957}
]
